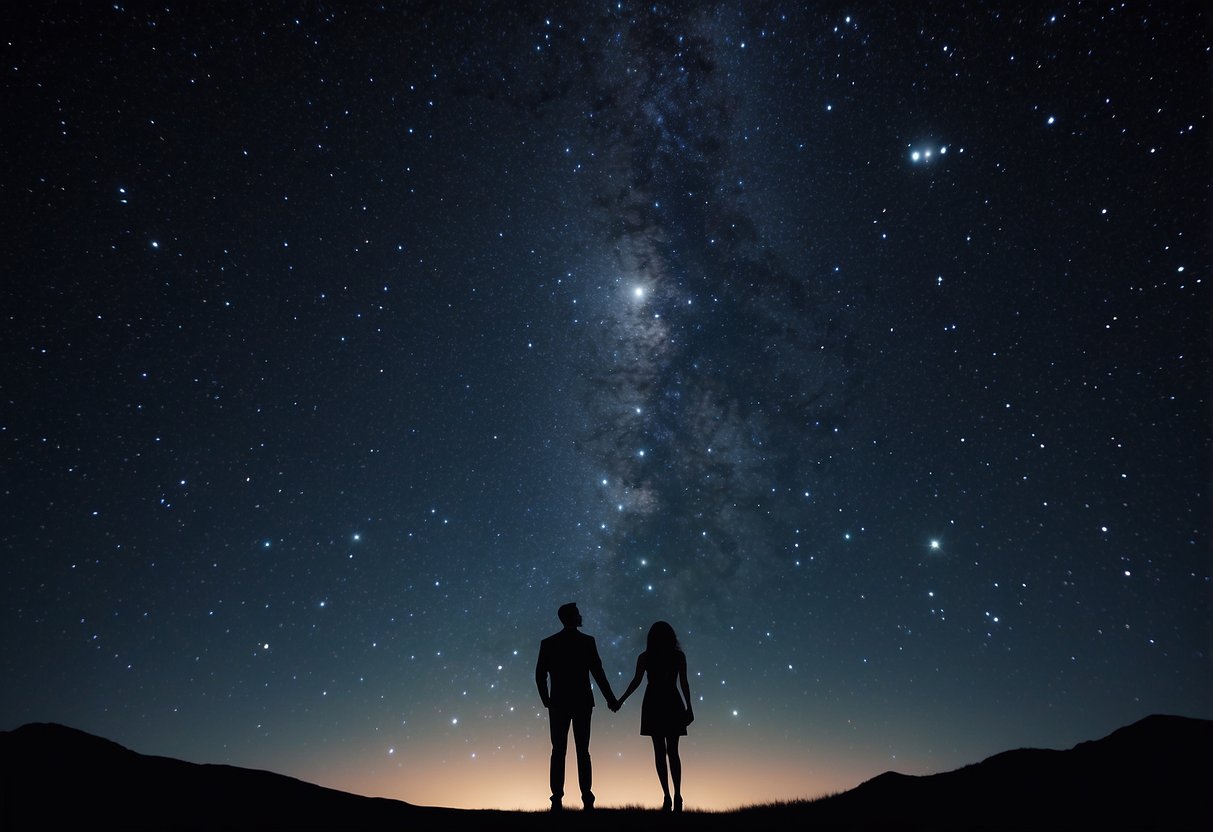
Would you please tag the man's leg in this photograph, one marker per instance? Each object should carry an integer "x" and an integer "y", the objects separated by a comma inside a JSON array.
[
  {"x": 558, "y": 720},
  {"x": 581, "y": 742}
]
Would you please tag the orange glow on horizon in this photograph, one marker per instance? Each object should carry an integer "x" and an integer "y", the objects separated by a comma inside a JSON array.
[{"x": 624, "y": 775}]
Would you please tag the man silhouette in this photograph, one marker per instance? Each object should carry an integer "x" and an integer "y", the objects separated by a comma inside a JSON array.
[{"x": 570, "y": 658}]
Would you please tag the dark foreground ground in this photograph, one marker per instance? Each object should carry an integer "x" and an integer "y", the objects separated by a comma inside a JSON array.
[{"x": 1154, "y": 774}]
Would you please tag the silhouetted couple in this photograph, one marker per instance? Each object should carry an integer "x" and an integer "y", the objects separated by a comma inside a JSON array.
[{"x": 571, "y": 658}]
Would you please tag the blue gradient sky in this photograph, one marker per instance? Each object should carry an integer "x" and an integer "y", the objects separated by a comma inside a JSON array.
[{"x": 867, "y": 346}]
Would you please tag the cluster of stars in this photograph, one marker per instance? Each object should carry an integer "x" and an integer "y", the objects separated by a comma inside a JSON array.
[{"x": 927, "y": 153}]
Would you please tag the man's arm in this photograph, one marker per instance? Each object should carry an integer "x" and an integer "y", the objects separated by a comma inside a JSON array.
[
  {"x": 541, "y": 678},
  {"x": 604, "y": 686},
  {"x": 601, "y": 678}
]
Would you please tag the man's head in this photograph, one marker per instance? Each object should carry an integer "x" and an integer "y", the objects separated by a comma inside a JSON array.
[{"x": 570, "y": 616}]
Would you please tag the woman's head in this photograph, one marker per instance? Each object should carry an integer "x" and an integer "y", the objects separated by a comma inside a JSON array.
[{"x": 661, "y": 637}]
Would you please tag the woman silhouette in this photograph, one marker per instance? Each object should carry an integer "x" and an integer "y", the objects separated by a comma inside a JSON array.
[{"x": 664, "y": 715}]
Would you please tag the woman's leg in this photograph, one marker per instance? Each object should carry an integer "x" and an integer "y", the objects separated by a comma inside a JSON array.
[
  {"x": 671, "y": 745},
  {"x": 659, "y": 759}
]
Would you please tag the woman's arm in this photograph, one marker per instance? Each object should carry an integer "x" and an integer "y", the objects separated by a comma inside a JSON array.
[
  {"x": 635, "y": 683},
  {"x": 686, "y": 686}
]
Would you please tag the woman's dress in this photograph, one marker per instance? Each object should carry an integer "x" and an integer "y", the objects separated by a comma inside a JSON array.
[{"x": 662, "y": 712}]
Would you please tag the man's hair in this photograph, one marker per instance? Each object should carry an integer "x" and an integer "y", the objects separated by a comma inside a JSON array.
[{"x": 567, "y": 613}]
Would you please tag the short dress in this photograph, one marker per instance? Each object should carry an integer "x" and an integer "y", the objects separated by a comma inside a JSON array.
[{"x": 662, "y": 712}]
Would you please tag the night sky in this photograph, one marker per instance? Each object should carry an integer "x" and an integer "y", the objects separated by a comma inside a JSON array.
[{"x": 867, "y": 344}]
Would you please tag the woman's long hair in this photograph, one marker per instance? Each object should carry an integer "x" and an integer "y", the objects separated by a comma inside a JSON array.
[{"x": 662, "y": 638}]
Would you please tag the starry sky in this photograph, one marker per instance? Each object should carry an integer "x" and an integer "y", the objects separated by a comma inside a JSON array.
[{"x": 868, "y": 344}]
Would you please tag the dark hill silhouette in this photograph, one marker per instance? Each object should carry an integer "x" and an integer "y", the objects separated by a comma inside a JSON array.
[
  {"x": 1153, "y": 774},
  {"x": 60, "y": 778}
]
